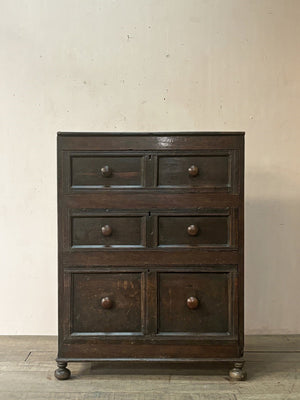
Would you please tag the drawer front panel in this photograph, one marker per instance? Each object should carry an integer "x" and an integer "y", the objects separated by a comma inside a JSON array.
[
  {"x": 207, "y": 172},
  {"x": 196, "y": 303},
  {"x": 198, "y": 230},
  {"x": 106, "y": 171},
  {"x": 106, "y": 303},
  {"x": 108, "y": 231}
]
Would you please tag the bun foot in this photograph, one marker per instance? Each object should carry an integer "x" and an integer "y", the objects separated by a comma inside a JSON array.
[
  {"x": 237, "y": 373},
  {"x": 62, "y": 373}
]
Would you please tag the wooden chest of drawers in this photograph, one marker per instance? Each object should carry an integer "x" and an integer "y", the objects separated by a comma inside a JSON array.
[{"x": 150, "y": 248}]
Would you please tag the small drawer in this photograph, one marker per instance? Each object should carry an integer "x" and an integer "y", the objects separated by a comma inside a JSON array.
[
  {"x": 90, "y": 171},
  {"x": 198, "y": 230},
  {"x": 107, "y": 230},
  {"x": 208, "y": 172},
  {"x": 196, "y": 303},
  {"x": 107, "y": 303}
]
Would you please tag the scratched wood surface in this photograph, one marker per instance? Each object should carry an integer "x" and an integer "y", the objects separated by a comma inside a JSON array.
[{"x": 27, "y": 365}]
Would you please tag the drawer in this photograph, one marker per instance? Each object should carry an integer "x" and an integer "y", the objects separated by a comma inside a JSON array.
[
  {"x": 209, "y": 172},
  {"x": 96, "y": 171},
  {"x": 96, "y": 230},
  {"x": 216, "y": 229},
  {"x": 200, "y": 303},
  {"x": 104, "y": 303}
]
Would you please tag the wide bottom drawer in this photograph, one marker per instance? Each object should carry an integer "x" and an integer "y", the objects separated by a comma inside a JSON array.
[{"x": 150, "y": 304}]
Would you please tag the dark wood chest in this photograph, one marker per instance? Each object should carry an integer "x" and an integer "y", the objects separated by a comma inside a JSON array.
[{"x": 151, "y": 248}]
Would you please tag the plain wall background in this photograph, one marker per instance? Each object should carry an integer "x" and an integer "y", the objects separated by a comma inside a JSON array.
[{"x": 149, "y": 65}]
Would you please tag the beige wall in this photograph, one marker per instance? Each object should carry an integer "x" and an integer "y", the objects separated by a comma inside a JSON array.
[{"x": 147, "y": 65}]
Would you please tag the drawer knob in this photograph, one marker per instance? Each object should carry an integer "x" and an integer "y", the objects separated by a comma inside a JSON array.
[
  {"x": 106, "y": 230},
  {"x": 106, "y": 171},
  {"x": 106, "y": 303},
  {"x": 192, "y": 302},
  {"x": 193, "y": 170},
  {"x": 192, "y": 230}
]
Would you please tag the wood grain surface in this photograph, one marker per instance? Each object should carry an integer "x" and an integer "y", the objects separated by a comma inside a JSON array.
[{"x": 27, "y": 364}]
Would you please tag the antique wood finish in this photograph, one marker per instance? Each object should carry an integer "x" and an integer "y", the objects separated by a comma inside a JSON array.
[
  {"x": 208, "y": 297},
  {"x": 92, "y": 170},
  {"x": 201, "y": 230},
  {"x": 106, "y": 303},
  {"x": 101, "y": 230},
  {"x": 150, "y": 248},
  {"x": 209, "y": 171}
]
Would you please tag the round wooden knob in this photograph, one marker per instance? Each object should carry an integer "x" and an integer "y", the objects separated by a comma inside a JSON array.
[
  {"x": 192, "y": 302},
  {"x": 192, "y": 230},
  {"x": 106, "y": 303},
  {"x": 106, "y": 171},
  {"x": 106, "y": 230},
  {"x": 193, "y": 170}
]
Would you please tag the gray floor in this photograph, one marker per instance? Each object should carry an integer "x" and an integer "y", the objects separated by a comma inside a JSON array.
[{"x": 27, "y": 365}]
